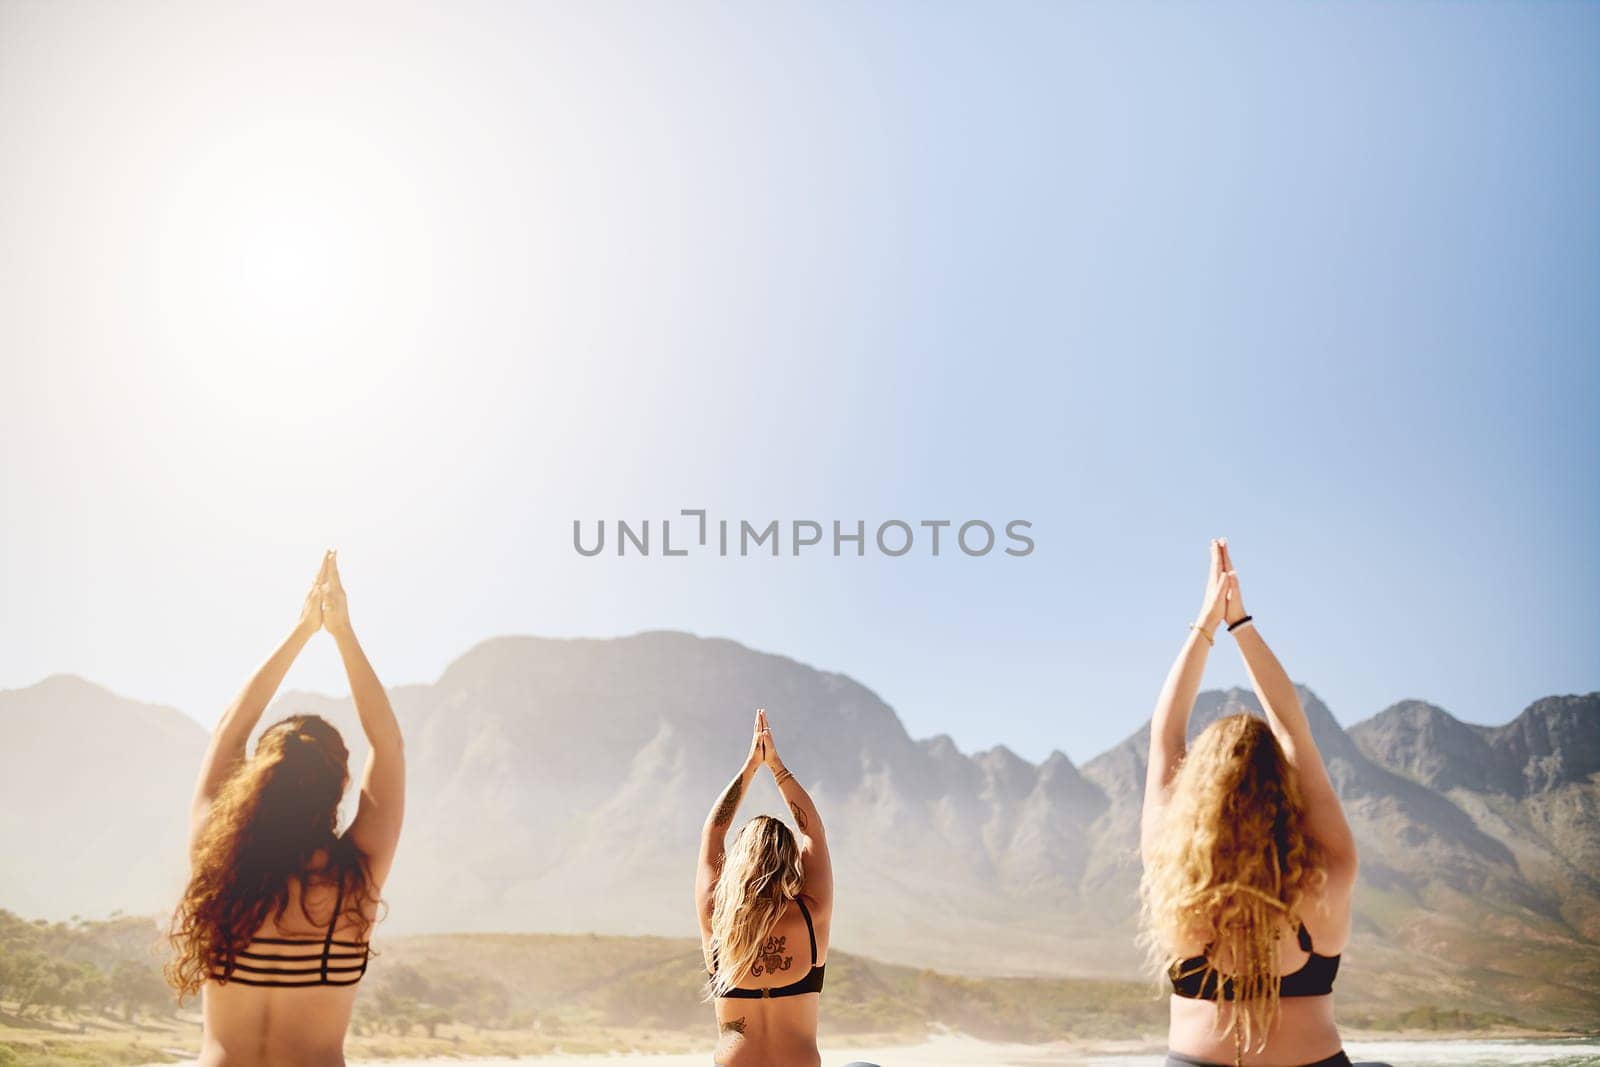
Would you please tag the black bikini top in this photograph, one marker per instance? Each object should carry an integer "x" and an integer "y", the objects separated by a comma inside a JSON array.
[
  {"x": 1191, "y": 978},
  {"x": 811, "y": 983},
  {"x": 331, "y": 967}
]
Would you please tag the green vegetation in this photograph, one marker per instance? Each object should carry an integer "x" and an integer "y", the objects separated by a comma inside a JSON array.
[{"x": 55, "y": 970}]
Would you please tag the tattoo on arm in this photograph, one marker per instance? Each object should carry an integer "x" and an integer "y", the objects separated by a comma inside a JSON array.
[
  {"x": 799, "y": 816},
  {"x": 732, "y": 1026},
  {"x": 729, "y": 803}
]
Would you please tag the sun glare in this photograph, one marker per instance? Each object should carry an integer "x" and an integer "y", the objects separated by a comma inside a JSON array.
[{"x": 287, "y": 243}]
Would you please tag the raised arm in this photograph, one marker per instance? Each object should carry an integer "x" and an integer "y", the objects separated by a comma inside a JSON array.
[
  {"x": 227, "y": 748},
  {"x": 714, "y": 834},
  {"x": 1325, "y": 819},
  {"x": 376, "y": 827},
  {"x": 1169, "y": 724},
  {"x": 814, "y": 858}
]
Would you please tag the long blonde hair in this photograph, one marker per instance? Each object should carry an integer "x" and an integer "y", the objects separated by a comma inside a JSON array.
[
  {"x": 760, "y": 875},
  {"x": 1231, "y": 862}
]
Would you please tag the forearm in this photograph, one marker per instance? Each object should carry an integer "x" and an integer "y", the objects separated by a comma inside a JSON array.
[
  {"x": 378, "y": 722},
  {"x": 233, "y": 730},
  {"x": 1287, "y": 719},
  {"x": 806, "y": 817},
  {"x": 813, "y": 841},
  {"x": 727, "y": 805},
  {"x": 1169, "y": 724},
  {"x": 1272, "y": 685},
  {"x": 240, "y": 718}
]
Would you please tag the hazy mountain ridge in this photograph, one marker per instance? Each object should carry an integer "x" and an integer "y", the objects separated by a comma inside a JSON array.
[
  {"x": 559, "y": 785},
  {"x": 1533, "y": 783},
  {"x": 67, "y": 746},
  {"x": 1553, "y": 742}
]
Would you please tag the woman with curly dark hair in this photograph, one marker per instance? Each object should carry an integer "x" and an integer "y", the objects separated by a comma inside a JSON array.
[{"x": 272, "y": 929}]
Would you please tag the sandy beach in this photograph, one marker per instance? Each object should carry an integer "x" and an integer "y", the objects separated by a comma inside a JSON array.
[{"x": 956, "y": 1051}]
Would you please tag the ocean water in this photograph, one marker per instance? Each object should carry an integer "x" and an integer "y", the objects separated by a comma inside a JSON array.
[{"x": 1543, "y": 1052}]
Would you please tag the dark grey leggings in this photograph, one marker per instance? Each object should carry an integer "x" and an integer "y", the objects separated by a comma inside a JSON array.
[{"x": 1178, "y": 1059}]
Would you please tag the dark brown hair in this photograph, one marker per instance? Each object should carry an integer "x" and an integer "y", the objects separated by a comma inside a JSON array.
[{"x": 274, "y": 814}]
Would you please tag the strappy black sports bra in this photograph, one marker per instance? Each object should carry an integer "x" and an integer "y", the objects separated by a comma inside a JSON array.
[
  {"x": 811, "y": 983},
  {"x": 1191, "y": 979},
  {"x": 265, "y": 968}
]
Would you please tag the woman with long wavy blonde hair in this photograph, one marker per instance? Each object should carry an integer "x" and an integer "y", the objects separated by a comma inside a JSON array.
[
  {"x": 1249, "y": 863},
  {"x": 272, "y": 928},
  {"x": 765, "y": 906}
]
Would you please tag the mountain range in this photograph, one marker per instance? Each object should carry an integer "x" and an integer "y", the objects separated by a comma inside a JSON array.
[{"x": 559, "y": 786}]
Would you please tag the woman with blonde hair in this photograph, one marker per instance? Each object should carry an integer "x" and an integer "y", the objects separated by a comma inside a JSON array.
[
  {"x": 1249, "y": 863},
  {"x": 272, "y": 928},
  {"x": 765, "y": 906}
]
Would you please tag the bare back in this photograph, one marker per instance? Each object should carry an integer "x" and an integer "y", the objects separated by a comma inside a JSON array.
[
  {"x": 1304, "y": 1032},
  {"x": 777, "y": 1031},
  {"x": 290, "y": 999}
]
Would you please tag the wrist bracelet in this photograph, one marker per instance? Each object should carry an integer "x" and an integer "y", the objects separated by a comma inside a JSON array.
[
  {"x": 783, "y": 776},
  {"x": 1232, "y": 626},
  {"x": 1201, "y": 630}
]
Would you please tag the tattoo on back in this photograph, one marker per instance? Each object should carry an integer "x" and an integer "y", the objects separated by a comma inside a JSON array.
[
  {"x": 729, "y": 803},
  {"x": 732, "y": 1026},
  {"x": 772, "y": 960},
  {"x": 799, "y": 816}
]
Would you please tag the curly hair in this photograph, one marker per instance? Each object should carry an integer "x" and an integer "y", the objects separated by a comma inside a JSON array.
[
  {"x": 760, "y": 875},
  {"x": 276, "y": 811},
  {"x": 1231, "y": 864}
]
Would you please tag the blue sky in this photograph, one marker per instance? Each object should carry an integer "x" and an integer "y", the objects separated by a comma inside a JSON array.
[{"x": 429, "y": 286}]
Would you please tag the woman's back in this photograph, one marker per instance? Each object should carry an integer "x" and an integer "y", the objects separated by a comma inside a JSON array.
[
  {"x": 1303, "y": 1032},
  {"x": 288, "y": 997},
  {"x": 770, "y": 1016}
]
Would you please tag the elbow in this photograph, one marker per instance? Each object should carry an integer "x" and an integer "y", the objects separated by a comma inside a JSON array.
[{"x": 1343, "y": 864}]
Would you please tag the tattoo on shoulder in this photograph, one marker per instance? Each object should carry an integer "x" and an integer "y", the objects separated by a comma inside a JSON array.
[
  {"x": 799, "y": 816},
  {"x": 729, "y": 802},
  {"x": 732, "y": 1026}
]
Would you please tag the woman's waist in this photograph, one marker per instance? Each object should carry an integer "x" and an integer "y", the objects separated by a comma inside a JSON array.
[
  {"x": 767, "y": 1033},
  {"x": 274, "y": 1026},
  {"x": 230, "y": 1050},
  {"x": 1303, "y": 1032},
  {"x": 747, "y": 1054}
]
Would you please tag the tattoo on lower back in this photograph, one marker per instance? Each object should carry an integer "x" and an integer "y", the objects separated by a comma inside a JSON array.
[
  {"x": 799, "y": 816},
  {"x": 733, "y": 1026},
  {"x": 729, "y": 803}
]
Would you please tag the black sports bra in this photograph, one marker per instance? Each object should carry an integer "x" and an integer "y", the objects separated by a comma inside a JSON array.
[
  {"x": 331, "y": 967},
  {"x": 1194, "y": 979},
  {"x": 811, "y": 983}
]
